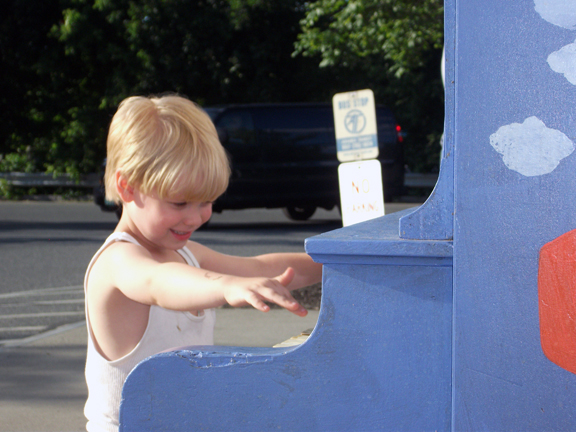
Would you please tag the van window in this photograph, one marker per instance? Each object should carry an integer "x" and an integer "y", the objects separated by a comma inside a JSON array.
[
  {"x": 299, "y": 126},
  {"x": 386, "y": 127},
  {"x": 296, "y": 118},
  {"x": 239, "y": 126}
]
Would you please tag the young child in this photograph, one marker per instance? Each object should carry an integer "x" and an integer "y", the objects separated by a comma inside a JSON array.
[{"x": 149, "y": 288}]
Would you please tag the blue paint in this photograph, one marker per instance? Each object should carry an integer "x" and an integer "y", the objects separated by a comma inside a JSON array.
[
  {"x": 377, "y": 241},
  {"x": 429, "y": 318},
  {"x": 434, "y": 220},
  {"x": 353, "y": 369},
  {"x": 502, "y": 380}
]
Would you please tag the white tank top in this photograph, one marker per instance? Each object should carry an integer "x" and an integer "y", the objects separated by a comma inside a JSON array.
[{"x": 166, "y": 329}]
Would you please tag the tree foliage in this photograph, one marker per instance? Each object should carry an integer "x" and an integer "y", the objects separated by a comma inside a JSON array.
[
  {"x": 66, "y": 64},
  {"x": 396, "y": 46},
  {"x": 345, "y": 31}
]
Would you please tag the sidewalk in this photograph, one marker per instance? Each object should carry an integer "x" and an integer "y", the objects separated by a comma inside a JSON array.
[{"x": 42, "y": 387}]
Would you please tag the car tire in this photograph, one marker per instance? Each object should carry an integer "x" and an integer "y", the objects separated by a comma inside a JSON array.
[{"x": 299, "y": 213}]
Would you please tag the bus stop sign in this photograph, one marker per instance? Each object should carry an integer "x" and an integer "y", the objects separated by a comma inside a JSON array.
[{"x": 355, "y": 125}]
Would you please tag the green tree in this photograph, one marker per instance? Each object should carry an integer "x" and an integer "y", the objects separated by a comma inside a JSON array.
[
  {"x": 395, "y": 45},
  {"x": 25, "y": 56},
  {"x": 345, "y": 31},
  {"x": 66, "y": 64},
  {"x": 117, "y": 48},
  {"x": 58, "y": 60},
  {"x": 262, "y": 68},
  {"x": 87, "y": 55}
]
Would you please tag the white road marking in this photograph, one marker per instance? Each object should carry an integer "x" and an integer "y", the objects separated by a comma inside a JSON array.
[
  {"x": 27, "y": 328},
  {"x": 45, "y": 291},
  {"x": 55, "y": 302},
  {"x": 19, "y": 342},
  {"x": 42, "y": 314}
]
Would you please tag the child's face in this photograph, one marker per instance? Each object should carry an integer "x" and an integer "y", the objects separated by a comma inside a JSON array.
[{"x": 166, "y": 223}]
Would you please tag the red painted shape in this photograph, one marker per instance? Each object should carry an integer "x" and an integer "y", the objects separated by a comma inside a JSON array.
[{"x": 557, "y": 300}]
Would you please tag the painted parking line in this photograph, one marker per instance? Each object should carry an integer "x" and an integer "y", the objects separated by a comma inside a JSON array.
[
  {"x": 57, "y": 302},
  {"x": 22, "y": 328},
  {"x": 19, "y": 342},
  {"x": 43, "y": 291},
  {"x": 42, "y": 315}
]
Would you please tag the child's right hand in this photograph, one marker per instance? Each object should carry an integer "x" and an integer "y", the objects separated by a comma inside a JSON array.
[{"x": 255, "y": 291}]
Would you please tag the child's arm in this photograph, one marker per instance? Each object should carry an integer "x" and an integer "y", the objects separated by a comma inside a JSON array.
[
  {"x": 178, "y": 286},
  {"x": 307, "y": 272}
]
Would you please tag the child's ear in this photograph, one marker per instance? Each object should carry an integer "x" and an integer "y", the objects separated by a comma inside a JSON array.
[{"x": 125, "y": 191}]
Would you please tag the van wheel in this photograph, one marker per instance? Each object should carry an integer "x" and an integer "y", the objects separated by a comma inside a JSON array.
[{"x": 299, "y": 213}]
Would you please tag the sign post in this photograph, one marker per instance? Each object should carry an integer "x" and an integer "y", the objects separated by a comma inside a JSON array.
[{"x": 360, "y": 173}]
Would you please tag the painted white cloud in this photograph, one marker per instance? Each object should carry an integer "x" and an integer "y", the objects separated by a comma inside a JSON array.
[
  {"x": 531, "y": 148},
  {"x": 563, "y": 61},
  {"x": 558, "y": 12}
]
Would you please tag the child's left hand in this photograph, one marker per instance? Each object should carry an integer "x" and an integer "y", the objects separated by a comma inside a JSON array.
[{"x": 258, "y": 290}]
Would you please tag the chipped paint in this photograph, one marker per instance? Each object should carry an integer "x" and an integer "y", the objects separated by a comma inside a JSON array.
[{"x": 208, "y": 359}]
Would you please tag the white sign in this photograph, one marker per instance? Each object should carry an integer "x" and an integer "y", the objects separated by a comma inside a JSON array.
[
  {"x": 361, "y": 194},
  {"x": 355, "y": 125}
]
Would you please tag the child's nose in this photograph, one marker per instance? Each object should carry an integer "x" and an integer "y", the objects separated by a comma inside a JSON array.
[{"x": 193, "y": 216}]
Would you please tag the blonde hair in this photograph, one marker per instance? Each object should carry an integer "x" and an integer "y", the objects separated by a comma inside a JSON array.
[{"x": 166, "y": 145}]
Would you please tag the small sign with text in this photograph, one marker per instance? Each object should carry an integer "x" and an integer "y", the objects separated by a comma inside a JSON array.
[
  {"x": 355, "y": 125},
  {"x": 361, "y": 193}
]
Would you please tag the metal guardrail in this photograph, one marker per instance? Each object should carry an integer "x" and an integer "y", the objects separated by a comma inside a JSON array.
[
  {"x": 411, "y": 180},
  {"x": 40, "y": 179},
  {"x": 416, "y": 180}
]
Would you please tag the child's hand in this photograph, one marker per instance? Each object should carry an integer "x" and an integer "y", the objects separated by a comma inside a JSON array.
[{"x": 255, "y": 291}]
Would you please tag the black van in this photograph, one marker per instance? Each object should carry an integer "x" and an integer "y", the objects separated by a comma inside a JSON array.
[{"x": 284, "y": 156}]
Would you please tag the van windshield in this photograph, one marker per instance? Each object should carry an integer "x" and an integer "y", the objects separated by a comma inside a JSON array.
[
  {"x": 295, "y": 118},
  {"x": 213, "y": 112}
]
